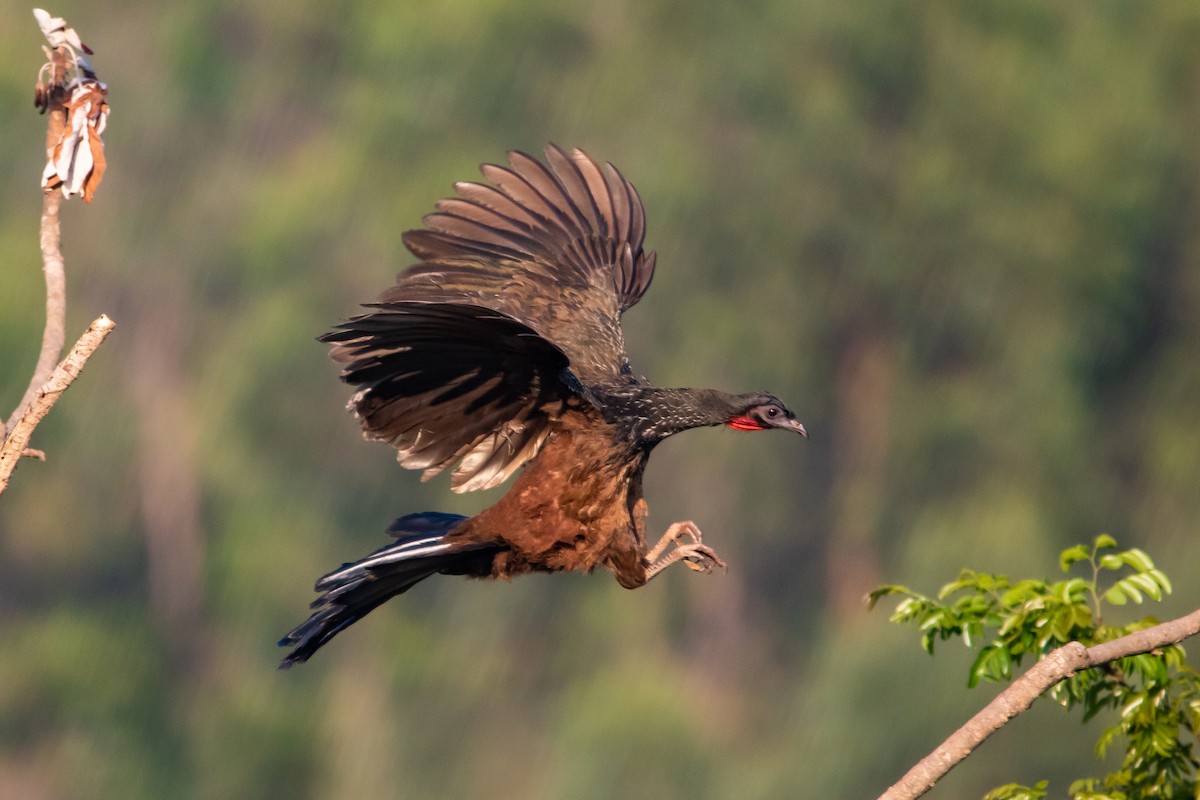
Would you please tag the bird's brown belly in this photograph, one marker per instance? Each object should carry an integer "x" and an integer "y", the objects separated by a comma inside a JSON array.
[{"x": 571, "y": 509}]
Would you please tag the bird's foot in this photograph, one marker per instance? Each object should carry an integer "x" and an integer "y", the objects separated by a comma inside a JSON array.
[
  {"x": 696, "y": 555},
  {"x": 700, "y": 557},
  {"x": 677, "y": 531}
]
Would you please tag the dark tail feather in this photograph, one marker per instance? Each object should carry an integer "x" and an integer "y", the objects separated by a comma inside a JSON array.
[{"x": 353, "y": 590}]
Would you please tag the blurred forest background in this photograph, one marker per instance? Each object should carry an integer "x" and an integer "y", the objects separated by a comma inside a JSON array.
[{"x": 958, "y": 238}]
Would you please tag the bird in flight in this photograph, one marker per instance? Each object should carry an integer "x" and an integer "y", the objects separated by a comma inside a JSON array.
[{"x": 501, "y": 349}]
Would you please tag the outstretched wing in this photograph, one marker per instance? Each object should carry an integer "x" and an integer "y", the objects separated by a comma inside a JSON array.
[
  {"x": 443, "y": 383},
  {"x": 557, "y": 247}
]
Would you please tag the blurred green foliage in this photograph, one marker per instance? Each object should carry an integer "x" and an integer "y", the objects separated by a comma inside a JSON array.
[
  {"x": 1157, "y": 694},
  {"x": 958, "y": 238}
]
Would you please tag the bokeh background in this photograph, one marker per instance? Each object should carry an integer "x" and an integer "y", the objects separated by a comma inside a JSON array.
[{"x": 959, "y": 238}]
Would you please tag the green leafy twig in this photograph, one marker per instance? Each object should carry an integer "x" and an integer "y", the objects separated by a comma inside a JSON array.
[{"x": 1137, "y": 669}]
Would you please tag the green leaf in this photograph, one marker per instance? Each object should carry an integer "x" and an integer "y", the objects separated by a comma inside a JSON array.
[
  {"x": 1102, "y": 541},
  {"x": 1115, "y": 596},
  {"x": 883, "y": 591},
  {"x": 968, "y": 579},
  {"x": 1162, "y": 580},
  {"x": 1137, "y": 559},
  {"x": 1061, "y": 624},
  {"x": 1151, "y": 668},
  {"x": 1107, "y": 736},
  {"x": 994, "y": 663},
  {"x": 1016, "y": 791},
  {"x": 1071, "y": 591},
  {"x": 1072, "y": 554},
  {"x": 1147, "y": 584},
  {"x": 1131, "y": 590},
  {"x": 909, "y": 609},
  {"x": 935, "y": 619},
  {"x": 1110, "y": 561},
  {"x": 1133, "y": 705},
  {"x": 1083, "y": 618}
]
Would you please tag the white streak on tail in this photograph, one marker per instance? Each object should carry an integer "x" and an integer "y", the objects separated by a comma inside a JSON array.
[{"x": 418, "y": 549}]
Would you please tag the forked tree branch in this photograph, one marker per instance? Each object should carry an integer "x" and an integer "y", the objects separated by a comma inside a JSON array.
[
  {"x": 73, "y": 99},
  {"x": 1019, "y": 696},
  {"x": 45, "y": 398}
]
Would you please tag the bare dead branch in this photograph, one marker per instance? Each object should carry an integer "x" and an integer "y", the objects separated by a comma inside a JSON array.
[
  {"x": 54, "y": 332},
  {"x": 15, "y": 446},
  {"x": 52, "y": 97},
  {"x": 1019, "y": 696}
]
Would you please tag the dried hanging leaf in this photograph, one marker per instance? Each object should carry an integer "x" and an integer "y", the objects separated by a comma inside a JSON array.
[
  {"x": 57, "y": 33},
  {"x": 77, "y": 161}
]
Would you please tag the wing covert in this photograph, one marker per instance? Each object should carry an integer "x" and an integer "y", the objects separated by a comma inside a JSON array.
[{"x": 556, "y": 246}]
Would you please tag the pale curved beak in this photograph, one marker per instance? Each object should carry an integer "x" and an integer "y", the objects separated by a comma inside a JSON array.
[{"x": 794, "y": 425}]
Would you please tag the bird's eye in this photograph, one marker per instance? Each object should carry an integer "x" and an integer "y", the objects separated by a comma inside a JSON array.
[{"x": 773, "y": 411}]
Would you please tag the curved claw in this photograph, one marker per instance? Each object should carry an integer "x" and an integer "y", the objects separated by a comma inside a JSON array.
[{"x": 700, "y": 557}]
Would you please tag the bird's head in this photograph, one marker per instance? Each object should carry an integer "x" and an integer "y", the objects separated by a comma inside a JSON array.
[{"x": 762, "y": 411}]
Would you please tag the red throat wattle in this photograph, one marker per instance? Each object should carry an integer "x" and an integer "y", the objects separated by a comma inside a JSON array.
[{"x": 746, "y": 424}]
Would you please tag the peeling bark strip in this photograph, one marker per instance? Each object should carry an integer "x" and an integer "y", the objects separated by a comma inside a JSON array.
[
  {"x": 1019, "y": 696},
  {"x": 64, "y": 374}
]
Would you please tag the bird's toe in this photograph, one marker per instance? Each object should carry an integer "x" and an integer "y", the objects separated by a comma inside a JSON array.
[{"x": 701, "y": 558}]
